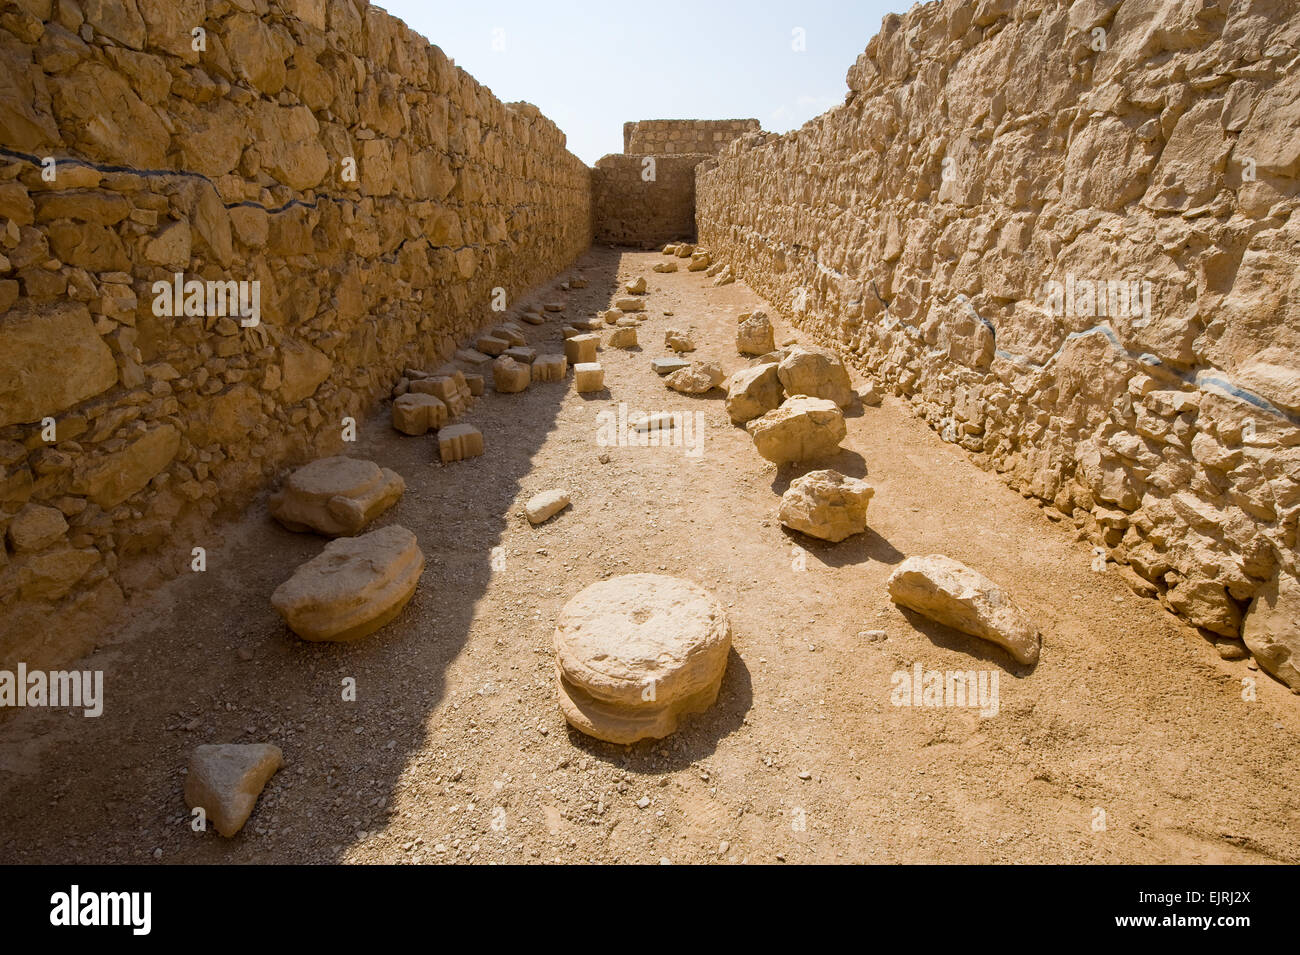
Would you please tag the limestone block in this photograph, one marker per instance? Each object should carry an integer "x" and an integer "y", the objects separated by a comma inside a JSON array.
[
  {"x": 35, "y": 528},
  {"x": 816, "y": 372},
  {"x": 510, "y": 376},
  {"x": 665, "y": 267},
  {"x": 588, "y": 376},
  {"x": 826, "y": 504},
  {"x": 801, "y": 429},
  {"x": 523, "y": 354},
  {"x": 581, "y": 348},
  {"x": 725, "y": 277},
  {"x": 951, "y": 593},
  {"x": 416, "y": 414},
  {"x": 636, "y": 653},
  {"x": 472, "y": 357},
  {"x": 475, "y": 383},
  {"x": 636, "y": 286},
  {"x": 699, "y": 262},
  {"x": 629, "y": 304},
  {"x": 666, "y": 366},
  {"x": 225, "y": 779},
  {"x": 550, "y": 368},
  {"x": 753, "y": 392},
  {"x": 623, "y": 337},
  {"x": 755, "y": 335},
  {"x": 336, "y": 496},
  {"x": 512, "y": 335},
  {"x": 51, "y": 357},
  {"x": 1271, "y": 629},
  {"x": 491, "y": 345},
  {"x": 459, "y": 441},
  {"x": 353, "y": 587},
  {"x": 697, "y": 379},
  {"x": 678, "y": 340},
  {"x": 542, "y": 507},
  {"x": 554, "y": 306},
  {"x": 684, "y": 250},
  {"x": 611, "y": 315},
  {"x": 533, "y": 318}
]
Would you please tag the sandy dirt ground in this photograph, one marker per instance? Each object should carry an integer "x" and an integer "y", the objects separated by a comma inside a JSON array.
[{"x": 1130, "y": 741}]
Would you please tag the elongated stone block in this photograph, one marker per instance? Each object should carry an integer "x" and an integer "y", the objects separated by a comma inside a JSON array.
[{"x": 458, "y": 442}]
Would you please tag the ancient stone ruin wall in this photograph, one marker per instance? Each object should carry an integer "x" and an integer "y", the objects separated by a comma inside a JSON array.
[
  {"x": 670, "y": 137},
  {"x": 992, "y": 160},
  {"x": 644, "y": 200},
  {"x": 375, "y": 192}
]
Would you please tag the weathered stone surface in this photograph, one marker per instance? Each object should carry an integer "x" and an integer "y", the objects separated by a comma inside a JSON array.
[
  {"x": 354, "y": 587},
  {"x": 542, "y": 507},
  {"x": 35, "y": 528},
  {"x": 637, "y": 652},
  {"x": 336, "y": 496},
  {"x": 1271, "y": 629},
  {"x": 225, "y": 779},
  {"x": 581, "y": 348},
  {"x": 665, "y": 267},
  {"x": 816, "y": 372},
  {"x": 491, "y": 345},
  {"x": 415, "y": 413},
  {"x": 303, "y": 370},
  {"x": 50, "y": 359},
  {"x": 678, "y": 340},
  {"x": 666, "y": 366},
  {"x": 459, "y": 441},
  {"x": 624, "y": 337},
  {"x": 629, "y": 304},
  {"x": 752, "y": 392},
  {"x": 951, "y": 593},
  {"x": 636, "y": 286},
  {"x": 826, "y": 504},
  {"x": 550, "y": 368},
  {"x": 510, "y": 376},
  {"x": 588, "y": 376},
  {"x": 115, "y": 477},
  {"x": 800, "y": 429},
  {"x": 697, "y": 379},
  {"x": 755, "y": 336},
  {"x": 699, "y": 261}
]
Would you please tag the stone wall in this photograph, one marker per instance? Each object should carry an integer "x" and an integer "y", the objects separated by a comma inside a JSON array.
[
  {"x": 644, "y": 201},
  {"x": 669, "y": 137},
  {"x": 375, "y": 192},
  {"x": 988, "y": 150}
]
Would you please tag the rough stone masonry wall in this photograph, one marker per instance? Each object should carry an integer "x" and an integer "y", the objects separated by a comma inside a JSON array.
[
  {"x": 228, "y": 163},
  {"x": 986, "y": 149},
  {"x": 631, "y": 209},
  {"x": 669, "y": 137}
]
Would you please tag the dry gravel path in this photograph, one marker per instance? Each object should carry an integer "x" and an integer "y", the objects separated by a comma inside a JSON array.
[{"x": 455, "y": 749}]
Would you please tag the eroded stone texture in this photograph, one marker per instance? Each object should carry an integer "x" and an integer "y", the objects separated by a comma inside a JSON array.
[
  {"x": 637, "y": 652},
  {"x": 550, "y": 368},
  {"x": 416, "y": 413},
  {"x": 826, "y": 504},
  {"x": 510, "y": 376},
  {"x": 581, "y": 348},
  {"x": 588, "y": 376},
  {"x": 459, "y": 441},
  {"x": 225, "y": 779},
  {"x": 756, "y": 336},
  {"x": 816, "y": 372},
  {"x": 542, "y": 507},
  {"x": 752, "y": 392},
  {"x": 353, "y": 587},
  {"x": 1272, "y": 629},
  {"x": 956, "y": 596},
  {"x": 697, "y": 379},
  {"x": 336, "y": 496},
  {"x": 800, "y": 429}
]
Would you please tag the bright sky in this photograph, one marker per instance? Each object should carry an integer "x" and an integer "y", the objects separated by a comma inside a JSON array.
[{"x": 590, "y": 65}]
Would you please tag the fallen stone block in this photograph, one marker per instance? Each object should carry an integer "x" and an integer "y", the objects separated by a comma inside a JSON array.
[
  {"x": 636, "y": 286},
  {"x": 472, "y": 357},
  {"x": 623, "y": 337},
  {"x": 869, "y": 395},
  {"x": 801, "y": 429},
  {"x": 659, "y": 421},
  {"x": 513, "y": 337},
  {"x": 522, "y": 354},
  {"x": 509, "y": 376},
  {"x": 550, "y": 368},
  {"x": 542, "y": 507},
  {"x": 611, "y": 315},
  {"x": 697, "y": 379},
  {"x": 491, "y": 345},
  {"x": 666, "y": 366},
  {"x": 753, "y": 392},
  {"x": 1271, "y": 630},
  {"x": 725, "y": 277},
  {"x": 684, "y": 250},
  {"x": 417, "y": 414},
  {"x": 951, "y": 593},
  {"x": 629, "y": 304},
  {"x": 678, "y": 340},
  {"x": 699, "y": 262},
  {"x": 665, "y": 267},
  {"x": 569, "y": 331},
  {"x": 755, "y": 335},
  {"x": 588, "y": 376},
  {"x": 225, "y": 779},
  {"x": 670, "y": 248},
  {"x": 581, "y": 348},
  {"x": 578, "y": 283},
  {"x": 636, "y": 653},
  {"x": 459, "y": 441},
  {"x": 554, "y": 306},
  {"x": 816, "y": 372},
  {"x": 475, "y": 383},
  {"x": 826, "y": 504},
  {"x": 354, "y": 587},
  {"x": 533, "y": 318},
  {"x": 335, "y": 496}
]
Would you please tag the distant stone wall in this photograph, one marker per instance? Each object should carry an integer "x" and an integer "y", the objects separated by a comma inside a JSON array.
[
  {"x": 669, "y": 137},
  {"x": 982, "y": 224},
  {"x": 375, "y": 192},
  {"x": 631, "y": 209}
]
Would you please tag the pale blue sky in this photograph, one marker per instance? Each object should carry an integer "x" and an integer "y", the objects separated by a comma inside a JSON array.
[{"x": 592, "y": 64}]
